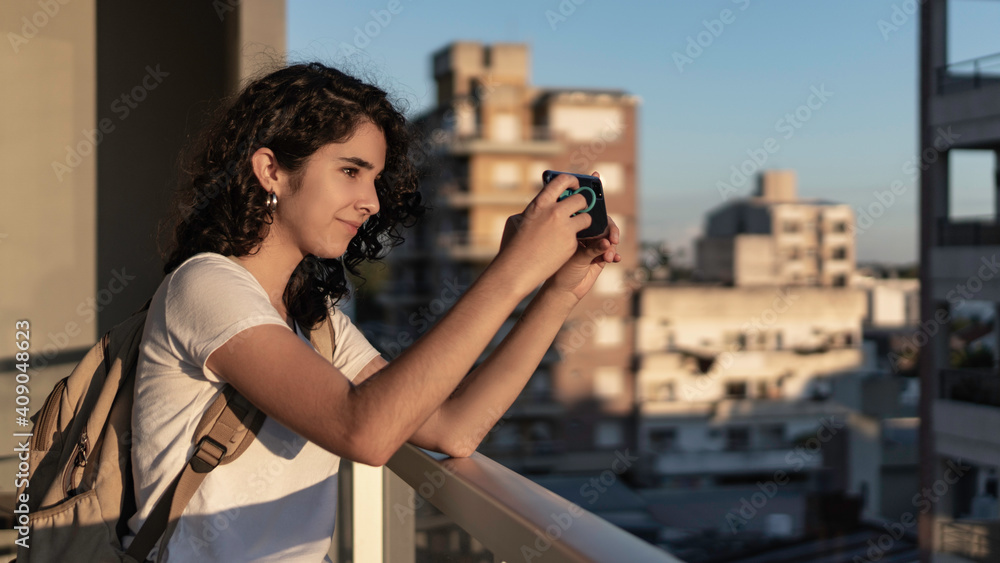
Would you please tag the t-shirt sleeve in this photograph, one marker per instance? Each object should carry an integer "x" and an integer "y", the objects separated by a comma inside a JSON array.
[
  {"x": 209, "y": 300},
  {"x": 352, "y": 351}
]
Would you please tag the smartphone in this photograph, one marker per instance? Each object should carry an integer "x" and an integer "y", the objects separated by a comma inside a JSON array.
[{"x": 590, "y": 188}]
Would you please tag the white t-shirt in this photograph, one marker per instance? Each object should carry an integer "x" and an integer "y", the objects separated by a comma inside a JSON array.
[{"x": 277, "y": 501}]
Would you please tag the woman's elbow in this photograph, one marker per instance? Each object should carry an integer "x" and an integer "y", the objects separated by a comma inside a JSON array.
[{"x": 460, "y": 447}]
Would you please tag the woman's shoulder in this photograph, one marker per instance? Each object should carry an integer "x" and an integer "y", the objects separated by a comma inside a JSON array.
[
  {"x": 205, "y": 258},
  {"x": 206, "y": 264},
  {"x": 209, "y": 276}
]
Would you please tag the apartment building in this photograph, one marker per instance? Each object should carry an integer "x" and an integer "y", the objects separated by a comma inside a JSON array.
[
  {"x": 775, "y": 238},
  {"x": 960, "y": 404},
  {"x": 758, "y": 369},
  {"x": 731, "y": 379},
  {"x": 484, "y": 148}
]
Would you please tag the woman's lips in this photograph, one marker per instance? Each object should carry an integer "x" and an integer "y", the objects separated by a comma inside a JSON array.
[{"x": 352, "y": 226}]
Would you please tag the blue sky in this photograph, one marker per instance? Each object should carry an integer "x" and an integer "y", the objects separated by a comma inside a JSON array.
[{"x": 700, "y": 116}]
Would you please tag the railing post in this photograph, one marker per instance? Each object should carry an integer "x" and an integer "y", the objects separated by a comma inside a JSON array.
[
  {"x": 399, "y": 520},
  {"x": 367, "y": 513}
]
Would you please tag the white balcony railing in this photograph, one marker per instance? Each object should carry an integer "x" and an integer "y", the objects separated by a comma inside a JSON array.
[{"x": 505, "y": 512}]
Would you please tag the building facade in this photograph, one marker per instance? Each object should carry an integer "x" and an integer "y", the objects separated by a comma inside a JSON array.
[
  {"x": 775, "y": 238},
  {"x": 960, "y": 404}
]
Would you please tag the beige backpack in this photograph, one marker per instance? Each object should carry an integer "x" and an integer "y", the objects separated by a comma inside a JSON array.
[{"x": 80, "y": 496}]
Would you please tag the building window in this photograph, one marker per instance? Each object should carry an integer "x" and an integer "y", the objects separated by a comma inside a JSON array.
[
  {"x": 664, "y": 392},
  {"x": 611, "y": 281},
  {"x": 535, "y": 170},
  {"x": 610, "y": 332},
  {"x": 612, "y": 177},
  {"x": 505, "y": 127},
  {"x": 609, "y": 382},
  {"x": 839, "y": 280},
  {"x": 737, "y": 438},
  {"x": 608, "y": 433},
  {"x": 772, "y": 436},
  {"x": 840, "y": 227},
  {"x": 839, "y": 253},
  {"x": 791, "y": 226},
  {"x": 793, "y": 253},
  {"x": 506, "y": 175},
  {"x": 663, "y": 439},
  {"x": 736, "y": 389}
]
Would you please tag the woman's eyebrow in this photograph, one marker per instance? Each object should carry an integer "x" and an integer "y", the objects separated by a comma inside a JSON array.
[{"x": 358, "y": 162}]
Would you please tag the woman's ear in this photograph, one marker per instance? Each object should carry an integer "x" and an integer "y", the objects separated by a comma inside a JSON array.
[{"x": 268, "y": 172}]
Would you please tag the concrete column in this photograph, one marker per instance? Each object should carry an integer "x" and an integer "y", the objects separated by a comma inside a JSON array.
[
  {"x": 933, "y": 206},
  {"x": 156, "y": 87}
]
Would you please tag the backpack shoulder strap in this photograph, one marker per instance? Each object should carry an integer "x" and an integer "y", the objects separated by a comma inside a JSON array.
[{"x": 232, "y": 423}]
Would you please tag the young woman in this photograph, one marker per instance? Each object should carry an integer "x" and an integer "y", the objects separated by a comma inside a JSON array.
[{"x": 305, "y": 176}]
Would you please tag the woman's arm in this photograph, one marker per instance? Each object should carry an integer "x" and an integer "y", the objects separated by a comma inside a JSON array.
[
  {"x": 484, "y": 395},
  {"x": 368, "y": 422}
]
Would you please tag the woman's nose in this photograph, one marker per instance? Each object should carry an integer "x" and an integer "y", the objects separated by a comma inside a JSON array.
[{"x": 369, "y": 200}]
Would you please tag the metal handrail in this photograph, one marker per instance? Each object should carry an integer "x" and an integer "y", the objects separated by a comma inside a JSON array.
[
  {"x": 978, "y": 386},
  {"x": 512, "y": 516},
  {"x": 968, "y": 231},
  {"x": 969, "y": 74}
]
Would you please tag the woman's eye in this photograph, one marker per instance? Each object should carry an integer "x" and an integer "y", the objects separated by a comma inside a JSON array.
[{"x": 352, "y": 172}]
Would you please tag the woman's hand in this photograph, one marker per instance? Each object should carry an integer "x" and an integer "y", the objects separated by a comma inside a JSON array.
[
  {"x": 541, "y": 239},
  {"x": 577, "y": 275}
]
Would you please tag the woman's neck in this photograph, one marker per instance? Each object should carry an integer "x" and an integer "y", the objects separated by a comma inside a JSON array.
[{"x": 272, "y": 266}]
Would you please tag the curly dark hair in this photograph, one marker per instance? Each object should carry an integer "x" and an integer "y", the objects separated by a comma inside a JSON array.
[{"x": 220, "y": 205}]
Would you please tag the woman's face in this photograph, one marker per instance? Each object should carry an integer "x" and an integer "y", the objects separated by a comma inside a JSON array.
[{"x": 336, "y": 195}]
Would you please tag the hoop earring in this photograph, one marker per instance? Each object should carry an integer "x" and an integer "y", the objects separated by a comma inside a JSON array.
[{"x": 272, "y": 202}]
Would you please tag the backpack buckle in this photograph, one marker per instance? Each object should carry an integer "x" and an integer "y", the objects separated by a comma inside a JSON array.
[{"x": 207, "y": 455}]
